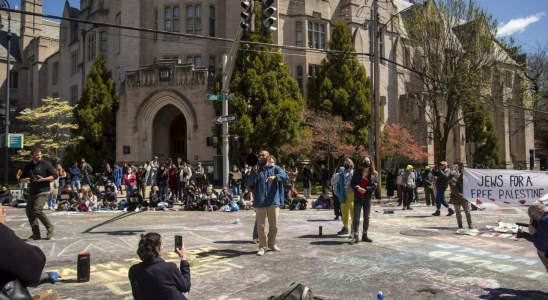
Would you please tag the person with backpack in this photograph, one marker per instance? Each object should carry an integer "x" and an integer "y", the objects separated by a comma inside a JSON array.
[
  {"x": 364, "y": 183},
  {"x": 325, "y": 179},
  {"x": 86, "y": 169},
  {"x": 428, "y": 180},
  {"x": 409, "y": 185},
  {"x": 418, "y": 182},
  {"x": 346, "y": 195},
  {"x": 336, "y": 203},
  {"x": 442, "y": 174}
]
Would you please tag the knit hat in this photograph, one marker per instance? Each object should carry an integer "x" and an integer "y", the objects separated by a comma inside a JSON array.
[
  {"x": 225, "y": 188},
  {"x": 409, "y": 167}
]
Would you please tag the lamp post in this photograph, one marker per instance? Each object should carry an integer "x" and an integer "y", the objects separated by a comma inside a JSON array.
[{"x": 5, "y": 4}]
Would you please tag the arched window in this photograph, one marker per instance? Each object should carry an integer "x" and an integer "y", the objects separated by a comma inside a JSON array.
[
  {"x": 194, "y": 20},
  {"x": 172, "y": 23},
  {"x": 168, "y": 13},
  {"x": 176, "y": 12},
  {"x": 322, "y": 36},
  {"x": 198, "y": 61},
  {"x": 190, "y": 20},
  {"x": 316, "y": 36},
  {"x": 189, "y": 60},
  {"x": 299, "y": 34},
  {"x": 212, "y": 21},
  {"x": 310, "y": 36},
  {"x": 212, "y": 66}
]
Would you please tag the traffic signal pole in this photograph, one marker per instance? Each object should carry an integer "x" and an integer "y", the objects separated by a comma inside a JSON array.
[{"x": 376, "y": 87}]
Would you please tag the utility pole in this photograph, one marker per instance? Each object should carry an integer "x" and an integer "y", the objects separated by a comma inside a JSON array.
[
  {"x": 4, "y": 4},
  {"x": 372, "y": 109},
  {"x": 376, "y": 88},
  {"x": 225, "y": 147}
]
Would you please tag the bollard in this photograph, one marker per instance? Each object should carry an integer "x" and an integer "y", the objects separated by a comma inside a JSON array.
[
  {"x": 83, "y": 267},
  {"x": 321, "y": 230}
]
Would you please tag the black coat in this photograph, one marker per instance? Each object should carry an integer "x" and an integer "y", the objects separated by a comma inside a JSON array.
[
  {"x": 159, "y": 280},
  {"x": 325, "y": 174},
  {"x": 307, "y": 176},
  {"x": 371, "y": 186}
]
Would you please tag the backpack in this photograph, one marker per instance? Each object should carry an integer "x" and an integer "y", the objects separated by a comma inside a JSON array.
[
  {"x": 82, "y": 207},
  {"x": 410, "y": 183},
  {"x": 234, "y": 206},
  {"x": 63, "y": 205},
  {"x": 419, "y": 179},
  {"x": 303, "y": 205},
  {"x": 296, "y": 203},
  {"x": 89, "y": 168}
]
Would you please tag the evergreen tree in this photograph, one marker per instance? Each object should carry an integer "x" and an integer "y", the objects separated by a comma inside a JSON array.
[
  {"x": 481, "y": 131},
  {"x": 267, "y": 101},
  {"x": 341, "y": 87},
  {"x": 95, "y": 115}
]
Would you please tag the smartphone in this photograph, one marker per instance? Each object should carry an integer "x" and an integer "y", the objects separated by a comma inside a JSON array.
[{"x": 178, "y": 242}]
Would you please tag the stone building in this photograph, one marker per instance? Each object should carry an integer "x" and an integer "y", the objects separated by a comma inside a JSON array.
[{"x": 163, "y": 79}]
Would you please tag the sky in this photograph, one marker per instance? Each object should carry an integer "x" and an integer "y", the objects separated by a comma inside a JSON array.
[{"x": 524, "y": 20}]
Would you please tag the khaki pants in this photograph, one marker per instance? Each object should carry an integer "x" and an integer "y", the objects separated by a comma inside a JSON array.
[
  {"x": 35, "y": 212},
  {"x": 543, "y": 259},
  {"x": 347, "y": 210},
  {"x": 272, "y": 214},
  {"x": 466, "y": 207}
]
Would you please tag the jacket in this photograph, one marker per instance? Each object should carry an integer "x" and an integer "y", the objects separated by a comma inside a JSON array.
[
  {"x": 267, "y": 194},
  {"x": 405, "y": 177},
  {"x": 85, "y": 168},
  {"x": 325, "y": 174},
  {"x": 455, "y": 184},
  {"x": 443, "y": 178},
  {"x": 371, "y": 185},
  {"x": 540, "y": 239},
  {"x": 292, "y": 173},
  {"x": 159, "y": 280},
  {"x": 117, "y": 176},
  {"x": 428, "y": 179},
  {"x": 129, "y": 179},
  {"x": 339, "y": 180},
  {"x": 74, "y": 172}
]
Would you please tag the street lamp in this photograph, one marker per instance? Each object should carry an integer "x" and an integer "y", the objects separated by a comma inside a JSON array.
[{"x": 5, "y": 4}]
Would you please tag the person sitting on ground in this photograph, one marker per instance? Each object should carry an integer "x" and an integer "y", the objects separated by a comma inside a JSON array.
[
  {"x": 83, "y": 194},
  {"x": 210, "y": 186},
  {"x": 5, "y": 195},
  {"x": 225, "y": 197},
  {"x": 153, "y": 199},
  {"x": 211, "y": 199},
  {"x": 91, "y": 200},
  {"x": 135, "y": 201},
  {"x": 198, "y": 199},
  {"x": 109, "y": 199},
  {"x": 168, "y": 199},
  {"x": 155, "y": 278}
]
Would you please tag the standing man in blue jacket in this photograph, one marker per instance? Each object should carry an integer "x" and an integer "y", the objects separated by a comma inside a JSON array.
[{"x": 266, "y": 178}]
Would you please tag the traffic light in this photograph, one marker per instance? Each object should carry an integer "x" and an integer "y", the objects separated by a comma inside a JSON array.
[
  {"x": 249, "y": 7},
  {"x": 268, "y": 15},
  {"x": 237, "y": 141},
  {"x": 211, "y": 141}
]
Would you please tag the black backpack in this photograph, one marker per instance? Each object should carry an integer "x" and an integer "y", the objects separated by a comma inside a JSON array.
[
  {"x": 296, "y": 203},
  {"x": 303, "y": 204}
]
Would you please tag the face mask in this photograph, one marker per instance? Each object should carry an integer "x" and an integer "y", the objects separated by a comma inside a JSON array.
[
  {"x": 246, "y": 166},
  {"x": 366, "y": 164},
  {"x": 452, "y": 172},
  {"x": 234, "y": 169}
]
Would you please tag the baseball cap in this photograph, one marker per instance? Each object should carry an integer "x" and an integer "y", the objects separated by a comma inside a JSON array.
[
  {"x": 409, "y": 167},
  {"x": 534, "y": 209}
]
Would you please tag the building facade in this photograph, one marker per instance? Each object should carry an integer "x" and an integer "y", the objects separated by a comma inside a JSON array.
[{"x": 163, "y": 79}]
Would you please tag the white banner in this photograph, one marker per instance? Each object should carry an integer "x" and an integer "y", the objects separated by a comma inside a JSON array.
[{"x": 505, "y": 186}]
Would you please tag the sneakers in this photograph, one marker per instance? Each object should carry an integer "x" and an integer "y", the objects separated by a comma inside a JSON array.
[
  {"x": 343, "y": 231},
  {"x": 398, "y": 204},
  {"x": 33, "y": 238},
  {"x": 137, "y": 209},
  {"x": 403, "y": 208},
  {"x": 50, "y": 232},
  {"x": 260, "y": 252},
  {"x": 275, "y": 248},
  {"x": 409, "y": 208},
  {"x": 451, "y": 212},
  {"x": 354, "y": 240},
  {"x": 460, "y": 226},
  {"x": 365, "y": 239},
  {"x": 336, "y": 219},
  {"x": 436, "y": 214}
]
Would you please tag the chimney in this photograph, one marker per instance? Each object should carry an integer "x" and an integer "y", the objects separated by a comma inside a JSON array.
[{"x": 31, "y": 26}]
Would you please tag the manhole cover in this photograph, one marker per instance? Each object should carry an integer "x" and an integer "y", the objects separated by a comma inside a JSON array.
[
  {"x": 419, "y": 233},
  {"x": 427, "y": 292}
]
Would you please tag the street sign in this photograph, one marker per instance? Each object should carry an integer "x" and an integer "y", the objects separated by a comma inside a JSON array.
[
  {"x": 16, "y": 141},
  {"x": 214, "y": 97},
  {"x": 226, "y": 119},
  {"x": 230, "y": 96}
]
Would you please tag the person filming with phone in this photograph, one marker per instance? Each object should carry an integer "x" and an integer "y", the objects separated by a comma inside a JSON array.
[
  {"x": 538, "y": 212},
  {"x": 38, "y": 174},
  {"x": 154, "y": 278}
]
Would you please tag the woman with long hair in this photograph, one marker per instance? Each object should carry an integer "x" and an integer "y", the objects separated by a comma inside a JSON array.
[
  {"x": 62, "y": 177},
  {"x": 364, "y": 183}
]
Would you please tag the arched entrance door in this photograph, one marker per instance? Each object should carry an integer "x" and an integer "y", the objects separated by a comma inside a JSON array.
[{"x": 178, "y": 138}]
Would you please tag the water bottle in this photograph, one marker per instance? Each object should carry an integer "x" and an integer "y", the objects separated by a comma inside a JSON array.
[{"x": 380, "y": 296}]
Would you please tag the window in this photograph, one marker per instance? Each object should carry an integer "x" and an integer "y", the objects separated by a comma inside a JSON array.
[
  {"x": 312, "y": 69},
  {"x": 212, "y": 21},
  {"x": 104, "y": 44},
  {"x": 198, "y": 61},
  {"x": 155, "y": 24},
  {"x": 64, "y": 30},
  {"x": 299, "y": 34},
  {"x": 119, "y": 22},
  {"x": 172, "y": 23},
  {"x": 74, "y": 62},
  {"x": 73, "y": 95},
  {"x": 194, "y": 20},
  {"x": 189, "y": 60},
  {"x": 92, "y": 47},
  {"x": 212, "y": 66},
  {"x": 101, "y": 4},
  {"x": 406, "y": 57},
  {"x": 300, "y": 74},
  {"x": 381, "y": 47},
  {"x": 74, "y": 32},
  {"x": 316, "y": 36},
  {"x": 508, "y": 79},
  {"x": 55, "y": 74},
  {"x": 14, "y": 80}
]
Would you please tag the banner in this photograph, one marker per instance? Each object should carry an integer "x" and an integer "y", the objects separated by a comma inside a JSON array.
[{"x": 505, "y": 186}]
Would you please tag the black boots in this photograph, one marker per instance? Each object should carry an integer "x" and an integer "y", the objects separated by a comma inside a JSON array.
[
  {"x": 365, "y": 239},
  {"x": 451, "y": 212},
  {"x": 354, "y": 240},
  {"x": 343, "y": 231}
]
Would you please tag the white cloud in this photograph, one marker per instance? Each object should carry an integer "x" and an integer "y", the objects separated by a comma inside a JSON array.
[{"x": 518, "y": 25}]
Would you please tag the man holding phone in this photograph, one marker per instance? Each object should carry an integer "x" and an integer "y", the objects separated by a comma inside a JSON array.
[
  {"x": 38, "y": 174},
  {"x": 538, "y": 214}
]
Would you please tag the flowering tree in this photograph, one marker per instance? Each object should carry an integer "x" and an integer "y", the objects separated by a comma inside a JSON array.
[
  {"x": 324, "y": 139},
  {"x": 398, "y": 144}
]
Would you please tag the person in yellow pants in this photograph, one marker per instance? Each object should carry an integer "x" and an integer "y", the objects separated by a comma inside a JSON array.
[{"x": 345, "y": 193}]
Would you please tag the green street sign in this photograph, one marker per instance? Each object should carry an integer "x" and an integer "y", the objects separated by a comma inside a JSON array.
[
  {"x": 230, "y": 96},
  {"x": 16, "y": 141},
  {"x": 214, "y": 97}
]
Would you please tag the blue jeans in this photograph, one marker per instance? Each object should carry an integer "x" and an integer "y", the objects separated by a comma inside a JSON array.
[
  {"x": 236, "y": 190},
  {"x": 129, "y": 192},
  {"x": 86, "y": 179},
  {"x": 181, "y": 185},
  {"x": 153, "y": 177},
  {"x": 75, "y": 183},
  {"x": 255, "y": 232},
  {"x": 325, "y": 186},
  {"x": 162, "y": 190},
  {"x": 440, "y": 199},
  {"x": 51, "y": 201},
  {"x": 416, "y": 194}
]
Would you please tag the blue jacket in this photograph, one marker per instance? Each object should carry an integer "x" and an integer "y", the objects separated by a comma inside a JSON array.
[
  {"x": 267, "y": 194},
  {"x": 540, "y": 239},
  {"x": 117, "y": 175},
  {"x": 74, "y": 172}
]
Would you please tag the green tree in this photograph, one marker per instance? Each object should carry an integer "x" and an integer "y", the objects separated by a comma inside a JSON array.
[
  {"x": 341, "y": 87},
  {"x": 481, "y": 131},
  {"x": 267, "y": 101},
  {"x": 95, "y": 117},
  {"x": 49, "y": 129}
]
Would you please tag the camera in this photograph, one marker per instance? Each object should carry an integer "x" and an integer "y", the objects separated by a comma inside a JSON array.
[{"x": 524, "y": 234}]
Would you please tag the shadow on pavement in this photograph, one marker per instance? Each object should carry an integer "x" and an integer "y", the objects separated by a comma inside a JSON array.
[
  {"x": 511, "y": 294},
  {"x": 322, "y": 220},
  {"x": 232, "y": 242},
  {"x": 119, "y": 232},
  {"x": 418, "y": 217},
  {"x": 316, "y": 236},
  {"x": 440, "y": 228},
  {"x": 329, "y": 243},
  {"x": 118, "y": 217},
  {"x": 226, "y": 253}
]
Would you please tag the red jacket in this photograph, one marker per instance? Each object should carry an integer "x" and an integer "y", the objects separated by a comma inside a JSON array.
[{"x": 130, "y": 181}]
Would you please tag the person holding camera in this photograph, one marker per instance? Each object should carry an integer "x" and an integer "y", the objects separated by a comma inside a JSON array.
[
  {"x": 266, "y": 179},
  {"x": 442, "y": 174},
  {"x": 457, "y": 198},
  {"x": 38, "y": 174},
  {"x": 538, "y": 214},
  {"x": 364, "y": 182},
  {"x": 154, "y": 278}
]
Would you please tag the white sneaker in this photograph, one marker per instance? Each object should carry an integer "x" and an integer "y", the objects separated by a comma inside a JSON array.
[
  {"x": 275, "y": 248},
  {"x": 125, "y": 209},
  {"x": 260, "y": 252},
  {"x": 137, "y": 209}
]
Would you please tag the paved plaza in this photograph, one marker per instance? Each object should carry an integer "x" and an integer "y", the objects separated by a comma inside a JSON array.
[{"x": 414, "y": 255}]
